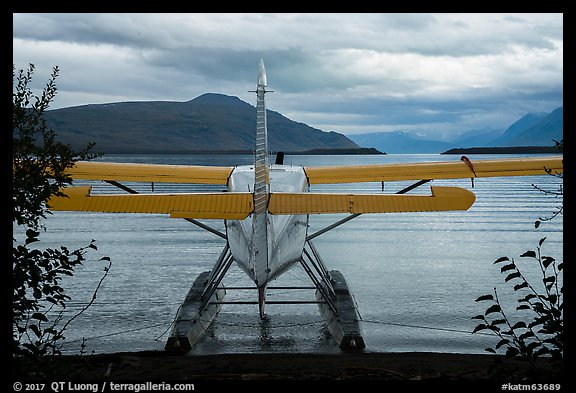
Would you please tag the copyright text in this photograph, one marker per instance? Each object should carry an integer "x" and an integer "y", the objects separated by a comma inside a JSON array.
[{"x": 101, "y": 387}]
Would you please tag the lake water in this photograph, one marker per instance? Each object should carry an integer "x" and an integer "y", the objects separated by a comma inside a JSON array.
[{"x": 415, "y": 276}]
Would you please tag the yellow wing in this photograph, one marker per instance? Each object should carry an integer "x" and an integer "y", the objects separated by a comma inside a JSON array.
[
  {"x": 442, "y": 198},
  {"x": 434, "y": 170},
  {"x": 150, "y": 172},
  {"x": 222, "y": 205},
  {"x": 238, "y": 206}
]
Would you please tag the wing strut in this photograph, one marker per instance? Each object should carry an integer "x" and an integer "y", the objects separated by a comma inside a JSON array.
[{"x": 350, "y": 217}]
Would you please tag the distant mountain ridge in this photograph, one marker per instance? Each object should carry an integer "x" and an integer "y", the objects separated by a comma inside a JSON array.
[
  {"x": 220, "y": 123},
  {"x": 541, "y": 131},
  {"x": 399, "y": 142},
  {"x": 517, "y": 128},
  {"x": 532, "y": 129},
  {"x": 210, "y": 122},
  {"x": 477, "y": 137}
]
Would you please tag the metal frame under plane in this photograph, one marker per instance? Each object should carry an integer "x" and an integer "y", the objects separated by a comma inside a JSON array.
[{"x": 266, "y": 212}]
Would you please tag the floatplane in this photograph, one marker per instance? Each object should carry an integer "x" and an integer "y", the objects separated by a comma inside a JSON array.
[{"x": 266, "y": 210}]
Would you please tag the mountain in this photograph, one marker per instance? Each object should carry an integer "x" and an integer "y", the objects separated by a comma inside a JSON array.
[
  {"x": 532, "y": 129},
  {"x": 541, "y": 132},
  {"x": 479, "y": 137},
  {"x": 400, "y": 142},
  {"x": 517, "y": 128},
  {"x": 210, "y": 122}
]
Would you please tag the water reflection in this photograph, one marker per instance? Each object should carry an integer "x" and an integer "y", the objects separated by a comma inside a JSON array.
[{"x": 265, "y": 339}]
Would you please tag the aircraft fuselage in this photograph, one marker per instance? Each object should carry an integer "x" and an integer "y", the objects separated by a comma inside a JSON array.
[{"x": 286, "y": 234}]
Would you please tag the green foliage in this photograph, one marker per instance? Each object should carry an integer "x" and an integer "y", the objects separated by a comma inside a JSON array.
[
  {"x": 540, "y": 330},
  {"x": 542, "y": 335},
  {"x": 38, "y": 164},
  {"x": 38, "y": 160}
]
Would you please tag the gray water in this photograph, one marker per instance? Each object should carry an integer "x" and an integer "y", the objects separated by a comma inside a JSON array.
[{"x": 415, "y": 276}]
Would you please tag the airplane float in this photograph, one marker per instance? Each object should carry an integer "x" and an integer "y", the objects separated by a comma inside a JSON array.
[{"x": 266, "y": 210}]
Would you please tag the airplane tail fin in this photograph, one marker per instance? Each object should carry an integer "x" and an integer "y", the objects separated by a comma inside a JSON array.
[
  {"x": 261, "y": 191},
  {"x": 261, "y": 167}
]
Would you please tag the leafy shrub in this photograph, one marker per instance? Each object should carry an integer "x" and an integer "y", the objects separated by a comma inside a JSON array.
[
  {"x": 38, "y": 172},
  {"x": 540, "y": 333}
]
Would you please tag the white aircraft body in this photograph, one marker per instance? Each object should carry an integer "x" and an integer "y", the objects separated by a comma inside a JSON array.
[{"x": 266, "y": 245}]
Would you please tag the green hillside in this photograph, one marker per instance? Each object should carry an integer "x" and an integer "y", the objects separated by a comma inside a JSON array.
[{"x": 211, "y": 122}]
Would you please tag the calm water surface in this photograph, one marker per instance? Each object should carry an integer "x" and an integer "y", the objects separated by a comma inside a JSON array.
[{"x": 415, "y": 276}]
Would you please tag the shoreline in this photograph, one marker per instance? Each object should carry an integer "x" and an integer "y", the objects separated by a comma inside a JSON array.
[
  {"x": 505, "y": 150},
  {"x": 356, "y": 366}
]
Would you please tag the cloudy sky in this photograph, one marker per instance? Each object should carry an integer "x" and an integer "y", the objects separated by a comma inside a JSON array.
[{"x": 435, "y": 74}]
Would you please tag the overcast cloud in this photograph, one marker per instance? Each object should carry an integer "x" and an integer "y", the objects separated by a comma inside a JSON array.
[{"x": 439, "y": 74}]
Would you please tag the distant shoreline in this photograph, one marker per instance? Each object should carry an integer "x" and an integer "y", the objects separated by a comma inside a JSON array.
[
  {"x": 335, "y": 151},
  {"x": 359, "y": 151},
  {"x": 362, "y": 150},
  {"x": 505, "y": 150}
]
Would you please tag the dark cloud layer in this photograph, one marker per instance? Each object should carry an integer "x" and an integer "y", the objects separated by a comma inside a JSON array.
[{"x": 438, "y": 73}]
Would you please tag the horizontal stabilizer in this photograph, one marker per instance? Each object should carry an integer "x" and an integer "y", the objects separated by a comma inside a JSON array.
[
  {"x": 222, "y": 205},
  {"x": 160, "y": 173},
  {"x": 442, "y": 198},
  {"x": 434, "y": 170}
]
